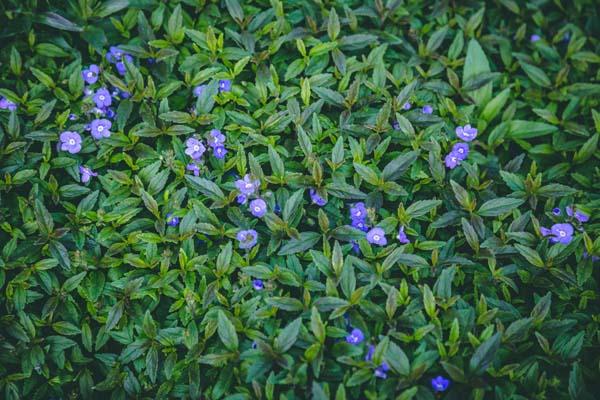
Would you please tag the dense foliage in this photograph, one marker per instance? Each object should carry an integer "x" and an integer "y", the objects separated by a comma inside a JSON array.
[{"x": 299, "y": 199}]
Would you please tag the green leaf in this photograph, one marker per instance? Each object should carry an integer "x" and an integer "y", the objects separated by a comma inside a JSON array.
[
  {"x": 499, "y": 206},
  {"x": 476, "y": 63},
  {"x": 226, "y": 331},
  {"x": 288, "y": 336}
]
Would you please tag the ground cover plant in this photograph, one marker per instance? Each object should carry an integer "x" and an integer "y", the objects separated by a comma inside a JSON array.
[{"x": 299, "y": 199}]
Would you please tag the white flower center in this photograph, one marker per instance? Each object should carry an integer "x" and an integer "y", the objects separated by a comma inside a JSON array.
[
  {"x": 257, "y": 209},
  {"x": 358, "y": 213},
  {"x": 101, "y": 97},
  {"x": 90, "y": 74},
  {"x": 100, "y": 128},
  {"x": 196, "y": 147},
  {"x": 562, "y": 233},
  {"x": 248, "y": 186},
  {"x": 453, "y": 158},
  {"x": 376, "y": 237},
  {"x": 71, "y": 141},
  {"x": 461, "y": 151}
]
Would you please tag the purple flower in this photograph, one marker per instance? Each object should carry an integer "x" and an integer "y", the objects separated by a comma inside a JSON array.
[
  {"x": 381, "y": 371},
  {"x": 461, "y": 150},
  {"x": 370, "y": 353},
  {"x": 358, "y": 211},
  {"x": 316, "y": 197},
  {"x": 219, "y": 152},
  {"x": 114, "y": 54},
  {"x": 360, "y": 223},
  {"x": 216, "y": 138},
  {"x": 121, "y": 68},
  {"x": 402, "y": 238},
  {"x": 195, "y": 148},
  {"x": 466, "y": 133},
  {"x": 586, "y": 255},
  {"x": 102, "y": 98},
  {"x": 100, "y": 128},
  {"x": 254, "y": 345},
  {"x": 199, "y": 90},
  {"x": 194, "y": 168},
  {"x": 258, "y": 207},
  {"x": 172, "y": 220},
  {"x": 6, "y": 104},
  {"x": 73, "y": 117},
  {"x": 224, "y": 85},
  {"x": 70, "y": 141},
  {"x": 406, "y": 106},
  {"x": 427, "y": 109},
  {"x": 242, "y": 199},
  {"x": 440, "y": 384},
  {"x": 247, "y": 186},
  {"x": 534, "y": 38},
  {"x": 377, "y": 236},
  {"x": 110, "y": 113},
  {"x": 355, "y": 337},
  {"x": 355, "y": 247},
  {"x": 86, "y": 173},
  {"x": 258, "y": 284},
  {"x": 452, "y": 160},
  {"x": 556, "y": 211},
  {"x": 396, "y": 125},
  {"x": 579, "y": 216},
  {"x": 87, "y": 91},
  {"x": 90, "y": 75},
  {"x": 247, "y": 238},
  {"x": 559, "y": 233}
]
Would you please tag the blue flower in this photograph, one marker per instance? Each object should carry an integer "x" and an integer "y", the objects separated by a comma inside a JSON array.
[
  {"x": 427, "y": 109},
  {"x": 316, "y": 198},
  {"x": 370, "y": 353},
  {"x": 247, "y": 238},
  {"x": 224, "y": 85},
  {"x": 440, "y": 384},
  {"x": 172, "y": 220},
  {"x": 377, "y": 236},
  {"x": 355, "y": 337},
  {"x": 402, "y": 238},
  {"x": 381, "y": 371},
  {"x": 258, "y": 207},
  {"x": 258, "y": 284}
]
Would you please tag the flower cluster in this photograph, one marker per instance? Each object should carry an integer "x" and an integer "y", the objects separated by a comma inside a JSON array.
[
  {"x": 563, "y": 232},
  {"x": 460, "y": 150}
]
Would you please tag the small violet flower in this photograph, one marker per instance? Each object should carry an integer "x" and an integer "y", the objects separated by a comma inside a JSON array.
[
  {"x": 579, "y": 216},
  {"x": 224, "y": 85},
  {"x": 556, "y": 211},
  {"x": 247, "y": 186},
  {"x": 258, "y": 207},
  {"x": 355, "y": 247},
  {"x": 121, "y": 68},
  {"x": 219, "y": 152},
  {"x": 396, "y": 125},
  {"x": 406, "y": 106},
  {"x": 70, "y": 141},
  {"x": 86, "y": 173},
  {"x": 6, "y": 104},
  {"x": 90, "y": 75},
  {"x": 534, "y": 38},
  {"x": 216, "y": 138},
  {"x": 355, "y": 337},
  {"x": 195, "y": 148},
  {"x": 172, "y": 220},
  {"x": 316, "y": 198},
  {"x": 461, "y": 150},
  {"x": 377, "y": 236},
  {"x": 466, "y": 133},
  {"x": 381, "y": 371},
  {"x": 402, "y": 238},
  {"x": 358, "y": 211},
  {"x": 559, "y": 233},
  {"x": 427, "y": 109},
  {"x": 100, "y": 128},
  {"x": 73, "y": 117},
  {"x": 258, "y": 284},
  {"x": 370, "y": 353},
  {"x": 440, "y": 384},
  {"x": 452, "y": 160},
  {"x": 102, "y": 98},
  {"x": 247, "y": 238},
  {"x": 193, "y": 167},
  {"x": 360, "y": 224},
  {"x": 242, "y": 199}
]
